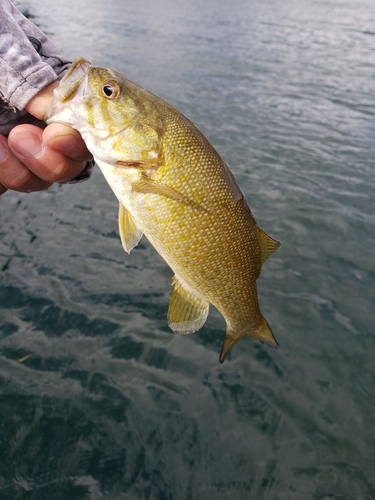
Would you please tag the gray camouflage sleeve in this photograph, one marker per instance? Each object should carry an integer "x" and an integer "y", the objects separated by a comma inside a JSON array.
[{"x": 29, "y": 61}]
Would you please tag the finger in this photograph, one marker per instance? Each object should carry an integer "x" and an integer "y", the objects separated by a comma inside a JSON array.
[
  {"x": 67, "y": 141},
  {"x": 26, "y": 142},
  {"x": 39, "y": 103},
  {"x": 14, "y": 174}
]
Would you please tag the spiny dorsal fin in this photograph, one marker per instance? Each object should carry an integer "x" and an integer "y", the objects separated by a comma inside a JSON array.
[
  {"x": 129, "y": 232},
  {"x": 267, "y": 244},
  {"x": 187, "y": 312}
]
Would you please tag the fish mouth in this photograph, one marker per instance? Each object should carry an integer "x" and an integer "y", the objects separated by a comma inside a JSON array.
[
  {"x": 77, "y": 69},
  {"x": 69, "y": 93}
]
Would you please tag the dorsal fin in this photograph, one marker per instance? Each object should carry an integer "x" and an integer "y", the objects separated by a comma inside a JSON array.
[{"x": 267, "y": 244}]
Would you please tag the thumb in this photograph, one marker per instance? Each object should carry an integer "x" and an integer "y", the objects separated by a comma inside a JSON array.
[{"x": 37, "y": 106}]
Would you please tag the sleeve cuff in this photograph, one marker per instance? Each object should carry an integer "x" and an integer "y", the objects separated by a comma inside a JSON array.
[{"x": 85, "y": 174}]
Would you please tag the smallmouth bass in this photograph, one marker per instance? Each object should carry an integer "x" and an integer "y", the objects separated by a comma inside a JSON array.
[{"x": 174, "y": 188}]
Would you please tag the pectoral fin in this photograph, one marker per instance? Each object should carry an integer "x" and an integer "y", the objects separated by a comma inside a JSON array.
[
  {"x": 187, "y": 312},
  {"x": 129, "y": 232},
  {"x": 141, "y": 164},
  {"x": 267, "y": 244},
  {"x": 146, "y": 185}
]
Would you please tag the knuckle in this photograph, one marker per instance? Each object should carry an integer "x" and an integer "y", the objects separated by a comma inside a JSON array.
[
  {"x": 16, "y": 179},
  {"x": 63, "y": 170}
]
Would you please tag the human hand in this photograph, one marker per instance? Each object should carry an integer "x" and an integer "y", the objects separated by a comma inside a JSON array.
[{"x": 31, "y": 159}]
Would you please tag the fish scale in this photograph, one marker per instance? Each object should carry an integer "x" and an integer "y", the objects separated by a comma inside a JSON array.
[{"x": 174, "y": 188}]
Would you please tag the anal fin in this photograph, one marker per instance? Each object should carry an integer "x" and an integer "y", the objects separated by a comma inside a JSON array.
[
  {"x": 187, "y": 312},
  {"x": 129, "y": 232}
]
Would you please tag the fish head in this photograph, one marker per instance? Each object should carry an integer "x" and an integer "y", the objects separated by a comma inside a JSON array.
[{"x": 118, "y": 125}]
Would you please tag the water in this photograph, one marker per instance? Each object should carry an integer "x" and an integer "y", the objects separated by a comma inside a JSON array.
[{"x": 112, "y": 404}]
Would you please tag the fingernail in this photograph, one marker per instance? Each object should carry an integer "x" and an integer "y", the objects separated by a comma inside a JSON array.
[
  {"x": 63, "y": 143},
  {"x": 3, "y": 152},
  {"x": 27, "y": 144}
]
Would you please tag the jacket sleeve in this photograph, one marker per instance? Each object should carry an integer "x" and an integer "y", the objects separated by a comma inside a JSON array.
[{"x": 29, "y": 61}]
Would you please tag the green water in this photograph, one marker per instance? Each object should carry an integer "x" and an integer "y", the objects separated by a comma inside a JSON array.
[{"x": 111, "y": 404}]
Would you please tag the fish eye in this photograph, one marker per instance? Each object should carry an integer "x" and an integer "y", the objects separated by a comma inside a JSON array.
[{"x": 111, "y": 90}]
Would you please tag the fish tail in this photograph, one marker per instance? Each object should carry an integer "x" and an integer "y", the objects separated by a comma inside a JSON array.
[{"x": 262, "y": 333}]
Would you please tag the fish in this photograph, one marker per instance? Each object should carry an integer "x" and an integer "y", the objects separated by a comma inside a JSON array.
[{"x": 174, "y": 188}]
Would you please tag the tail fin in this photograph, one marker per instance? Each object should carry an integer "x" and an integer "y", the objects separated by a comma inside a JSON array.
[{"x": 262, "y": 333}]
